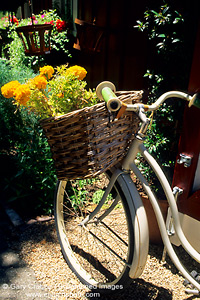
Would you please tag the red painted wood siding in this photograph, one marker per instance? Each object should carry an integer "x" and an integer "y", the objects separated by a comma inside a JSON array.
[
  {"x": 124, "y": 51},
  {"x": 189, "y": 144},
  {"x": 38, "y": 6}
]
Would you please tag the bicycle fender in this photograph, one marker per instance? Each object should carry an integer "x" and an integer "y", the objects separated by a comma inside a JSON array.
[{"x": 140, "y": 223}]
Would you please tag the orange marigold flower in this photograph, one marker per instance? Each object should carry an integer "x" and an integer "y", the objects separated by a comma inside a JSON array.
[
  {"x": 47, "y": 70},
  {"x": 22, "y": 94},
  {"x": 40, "y": 82},
  {"x": 60, "y": 95},
  {"x": 78, "y": 71},
  {"x": 8, "y": 89}
]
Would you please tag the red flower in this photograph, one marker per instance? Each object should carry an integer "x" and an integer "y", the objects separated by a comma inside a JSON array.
[
  {"x": 51, "y": 22},
  {"x": 14, "y": 20},
  {"x": 60, "y": 25}
]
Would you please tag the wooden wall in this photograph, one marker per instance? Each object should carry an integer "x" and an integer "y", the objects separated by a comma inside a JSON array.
[
  {"x": 123, "y": 56},
  {"x": 38, "y": 6}
]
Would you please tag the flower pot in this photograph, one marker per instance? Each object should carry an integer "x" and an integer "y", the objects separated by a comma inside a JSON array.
[
  {"x": 35, "y": 38},
  {"x": 89, "y": 36},
  {"x": 154, "y": 232}
]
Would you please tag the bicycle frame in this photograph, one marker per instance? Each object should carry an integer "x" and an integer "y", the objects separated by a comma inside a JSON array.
[
  {"x": 128, "y": 165},
  {"x": 105, "y": 91}
]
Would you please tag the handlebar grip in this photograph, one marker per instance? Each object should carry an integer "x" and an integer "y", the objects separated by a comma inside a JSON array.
[{"x": 106, "y": 91}]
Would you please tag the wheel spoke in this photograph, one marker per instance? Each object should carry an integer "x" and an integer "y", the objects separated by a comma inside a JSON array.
[
  {"x": 111, "y": 250},
  {"x": 99, "y": 251},
  {"x": 114, "y": 233}
]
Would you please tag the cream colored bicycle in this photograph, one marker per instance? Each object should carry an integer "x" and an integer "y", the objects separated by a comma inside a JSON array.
[{"x": 102, "y": 224}]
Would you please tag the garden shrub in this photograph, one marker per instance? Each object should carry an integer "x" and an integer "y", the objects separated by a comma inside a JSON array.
[
  {"x": 168, "y": 69},
  {"x": 27, "y": 171}
]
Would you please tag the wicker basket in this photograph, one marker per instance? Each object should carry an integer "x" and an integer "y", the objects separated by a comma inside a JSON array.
[
  {"x": 33, "y": 38},
  {"x": 85, "y": 143}
]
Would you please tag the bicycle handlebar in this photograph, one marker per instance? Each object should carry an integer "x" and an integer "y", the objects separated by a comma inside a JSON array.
[{"x": 106, "y": 91}]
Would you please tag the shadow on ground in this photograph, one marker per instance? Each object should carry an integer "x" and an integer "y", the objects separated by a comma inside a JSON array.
[{"x": 17, "y": 280}]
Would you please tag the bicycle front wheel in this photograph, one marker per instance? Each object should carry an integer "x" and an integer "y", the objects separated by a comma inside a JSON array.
[{"x": 100, "y": 253}]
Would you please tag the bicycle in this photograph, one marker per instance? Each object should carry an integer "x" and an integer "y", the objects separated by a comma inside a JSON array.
[{"x": 105, "y": 241}]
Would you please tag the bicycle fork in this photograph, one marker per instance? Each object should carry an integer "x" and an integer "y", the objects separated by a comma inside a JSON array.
[{"x": 113, "y": 179}]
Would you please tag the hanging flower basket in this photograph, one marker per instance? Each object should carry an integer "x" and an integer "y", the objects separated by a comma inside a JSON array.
[
  {"x": 89, "y": 36},
  {"x": 35, "y": 38}
]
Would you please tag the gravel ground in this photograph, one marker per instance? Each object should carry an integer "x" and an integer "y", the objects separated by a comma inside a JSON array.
[{"x": 39, "y": 248}]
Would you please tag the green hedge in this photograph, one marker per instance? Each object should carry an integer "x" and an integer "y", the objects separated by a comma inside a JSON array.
[{"x": 27, "y": 171}]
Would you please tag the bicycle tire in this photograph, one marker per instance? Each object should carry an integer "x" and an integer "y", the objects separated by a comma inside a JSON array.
[{"x": 101, "y": 253}]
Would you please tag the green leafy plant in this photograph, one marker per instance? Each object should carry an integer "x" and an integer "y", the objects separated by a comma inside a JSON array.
[
  {"x": 77, "y": 193},
  {"x": 86, "y": 192},
  {"x": 32, "y": 185},
  {"x": 167, "y": 70},
  {"x": 162, "y": 26}
]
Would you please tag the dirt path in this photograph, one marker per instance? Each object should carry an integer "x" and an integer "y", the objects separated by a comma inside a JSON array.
[{"x": 39, "y": 248}]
